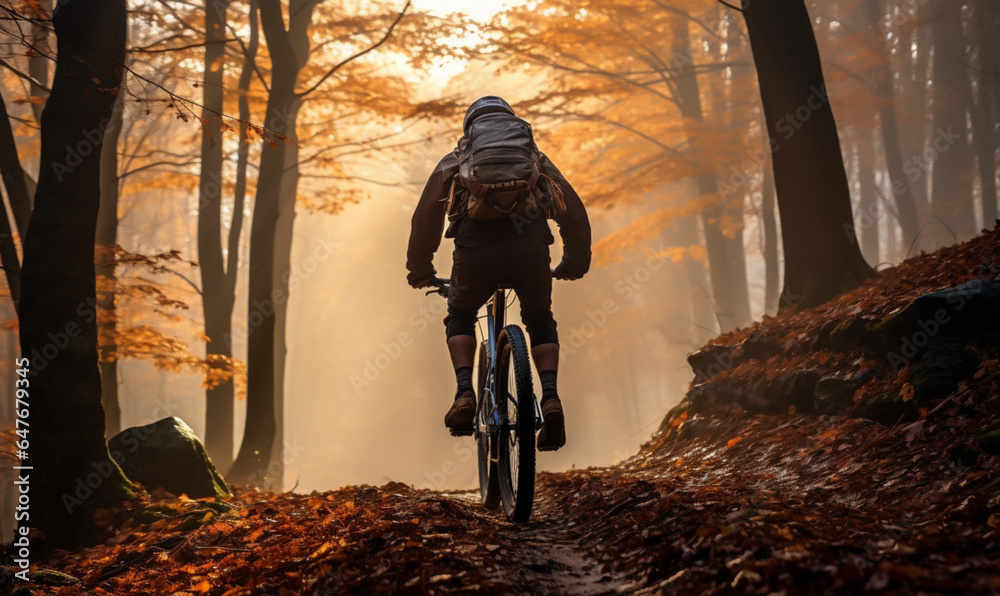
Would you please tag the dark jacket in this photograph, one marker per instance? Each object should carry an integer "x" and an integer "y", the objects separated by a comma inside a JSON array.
[{"x": 429, "y": 217}]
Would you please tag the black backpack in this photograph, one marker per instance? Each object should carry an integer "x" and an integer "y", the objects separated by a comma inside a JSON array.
[{"x": 499, "y": 167}]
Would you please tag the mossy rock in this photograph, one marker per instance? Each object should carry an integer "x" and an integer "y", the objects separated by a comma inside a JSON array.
[
  {"x": 167, "y": 454},
  {"x": 674, "y": 413},
  {"x": 989, "y": 442},
  {"x": 940, "y": 369},
  {"x": 843, "y": 333},
  {"x": 968, "y": 313},
  {"x": 151, "y": 515},
  {"x": 196, "y": 518},
  {"x": 51, "y": 577},
  {"x": 710, "y": 361},
  {"x": 887, "y": 409},
  {"x": 834, "y": 395}
]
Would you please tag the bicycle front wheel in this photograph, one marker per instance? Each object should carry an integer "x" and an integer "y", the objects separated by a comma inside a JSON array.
[{"x": 516, "y": 438}]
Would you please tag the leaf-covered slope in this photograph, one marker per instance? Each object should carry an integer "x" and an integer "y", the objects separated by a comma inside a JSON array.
[{"x": 720, "y": 501}]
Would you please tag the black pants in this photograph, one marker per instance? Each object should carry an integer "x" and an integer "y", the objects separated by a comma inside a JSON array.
[{"x": 521, "y": 263}]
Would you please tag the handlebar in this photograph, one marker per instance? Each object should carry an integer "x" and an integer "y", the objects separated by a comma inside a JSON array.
[{"x": 441, "y": 287}]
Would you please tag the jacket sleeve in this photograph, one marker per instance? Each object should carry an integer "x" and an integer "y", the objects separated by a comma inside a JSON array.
[
  {"x": 574, "y": 227},
  {"x": 428, "y": 223}
]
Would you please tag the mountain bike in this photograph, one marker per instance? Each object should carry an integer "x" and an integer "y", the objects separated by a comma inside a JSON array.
[{"x": 507, "y": 413}]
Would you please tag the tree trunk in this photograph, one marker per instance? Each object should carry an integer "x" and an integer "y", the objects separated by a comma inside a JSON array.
[
  {"x": 282, "y": 268},
  {"x": 868, "y": 200},
  {"x": 726, "y": 259},
  {"x": 951, "y": 180},
  {"x": 913, "y": 75},
  {"x": 73, "y": 472},
  {"x": 985, "y": 25},
  {"x": 899, "y": 185},
  {"x": 704, "y": 325},
  {"x": 265, "y": 297},
  {"x": 986, "y": 160},
  {"x": 224, "y": 394},
  {"x": 10, "y": 261},
  {"x": 770, "y": 244},
  {"x": 15, "y": 179},
  {"x": 216, "y": 299},
  {"x": 822, "y": 259},
  {"x": 107, "y": 238}
]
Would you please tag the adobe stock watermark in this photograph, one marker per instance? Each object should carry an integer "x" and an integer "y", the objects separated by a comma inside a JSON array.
[
  {"x": 389, "y": 351},
  {"x": 892, "y": 535},
  {"x": 437, "y": 477},
  {"x": 625, "y": 288},
  {"x": 90, "y": 143},
  {"x": 726, "y": 359},
  {"x": 86, "y": 314},
  {"x": 260, "y": 311},
  {"x": 275, "y": 469},
  {"x": 914, "y": 168},
  {"x": 928, "y": 328},
  {"x": 786, "y": 126}
]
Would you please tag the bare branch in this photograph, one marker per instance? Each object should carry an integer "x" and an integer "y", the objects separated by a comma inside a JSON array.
[
  {"x": 731, "y": 6},
  {"x": 385, "y": 38},
  {"x": 24, "y": 75},
  {"x": 179, "y": 48}
]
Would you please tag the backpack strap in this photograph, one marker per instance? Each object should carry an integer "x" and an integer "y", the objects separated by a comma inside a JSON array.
[
  {"x": 453, "y": 207},
  {"x": 558, "y": 198}
]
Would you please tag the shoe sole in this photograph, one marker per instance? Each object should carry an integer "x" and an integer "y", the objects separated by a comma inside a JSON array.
[
  {"x": 461, "y": 432},
  {"x": 560, "y": 436}
]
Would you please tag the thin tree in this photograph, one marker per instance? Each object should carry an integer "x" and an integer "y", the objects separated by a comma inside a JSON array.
[
  {"x": 899, "y": 184},
  {"x": 17, "y": 193},
  {"x": 984, "y": 28},
  {"x": 217, "y": 281},
  {"x": 271, "y": 236},
  {"x": 107, "y": 240},
  {"x": 726, "y": 259},
  {"x": 770, "y": 242},
  {"x": 951, "y": 182}
]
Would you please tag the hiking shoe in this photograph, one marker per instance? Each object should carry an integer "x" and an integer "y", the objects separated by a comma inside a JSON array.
[
  {"x": 553, "y": 433},
  {"x": 462, "y": 414}
]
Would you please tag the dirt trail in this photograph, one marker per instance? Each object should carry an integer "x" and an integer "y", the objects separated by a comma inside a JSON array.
[{"x": 546, "y": 556}]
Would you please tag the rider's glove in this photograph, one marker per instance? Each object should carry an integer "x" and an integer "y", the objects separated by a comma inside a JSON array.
[
  {"x": 420, "y": 280},
  {"x": 566, "y": 270}
]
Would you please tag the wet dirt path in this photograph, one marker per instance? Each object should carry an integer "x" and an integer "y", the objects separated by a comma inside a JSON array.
[{"x": 545, "y": 555}]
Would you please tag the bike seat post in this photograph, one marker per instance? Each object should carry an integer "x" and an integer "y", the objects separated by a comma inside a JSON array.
[{"x": 499, "y": 306}]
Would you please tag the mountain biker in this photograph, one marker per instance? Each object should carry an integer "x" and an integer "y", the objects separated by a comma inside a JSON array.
[{"x": 501, "y": 236}]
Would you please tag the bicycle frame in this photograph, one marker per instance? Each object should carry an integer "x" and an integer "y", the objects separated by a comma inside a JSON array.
[
  {"x": 496, "y": 319},
  {"x": 496, "y": 311}
]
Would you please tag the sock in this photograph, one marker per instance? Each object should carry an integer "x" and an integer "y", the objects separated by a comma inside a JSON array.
[
  {"x": 548, "y": 379},
  {"x": 463, "y": 375}
]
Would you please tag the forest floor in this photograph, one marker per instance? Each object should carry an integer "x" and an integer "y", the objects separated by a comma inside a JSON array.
[{"x": 722, "y": 500}]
